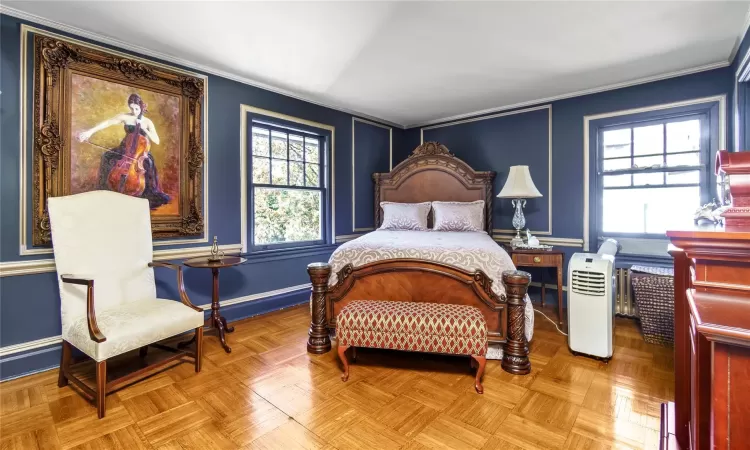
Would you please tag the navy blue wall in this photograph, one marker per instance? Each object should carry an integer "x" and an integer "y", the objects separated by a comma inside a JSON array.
[
  {"x": 740, "y": 100},
  {"x": 373, "y": 154},
  {"x": 29, "y": 304},
  {"x": 490, "y": 145},
  {"x": 498, "y": 143}
]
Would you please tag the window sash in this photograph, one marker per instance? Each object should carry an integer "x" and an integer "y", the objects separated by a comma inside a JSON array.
[
  {"x": 320, "y": 162},
  {"x": 702, "y": 168}
]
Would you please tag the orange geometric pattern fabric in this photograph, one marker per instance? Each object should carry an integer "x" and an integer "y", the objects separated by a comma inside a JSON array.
[{"x": 411, "y": 326}]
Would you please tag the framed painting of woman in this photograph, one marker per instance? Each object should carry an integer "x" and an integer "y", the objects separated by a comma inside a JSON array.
[{"x": 106, "y": 121}]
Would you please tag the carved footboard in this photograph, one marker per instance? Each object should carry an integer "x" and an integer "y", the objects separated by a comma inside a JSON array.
[{"x": 423, "y": 281}]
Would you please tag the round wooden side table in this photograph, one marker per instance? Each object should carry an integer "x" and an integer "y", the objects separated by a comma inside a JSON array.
[{"x": 216, "y": 321}]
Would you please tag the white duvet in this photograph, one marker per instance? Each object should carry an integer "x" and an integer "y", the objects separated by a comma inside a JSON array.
[{"x": 467, "y": 250}]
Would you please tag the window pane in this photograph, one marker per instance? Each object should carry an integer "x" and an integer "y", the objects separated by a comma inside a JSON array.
[
  {"x": 278, "y": 145},
  {"x": 616, "y": 164},
  {"x": 311, "y": 150},
  {"x": 683, "y": 136},
  {"x": 616, "y": 151},
  {"x": 311, "y": 172},
  {"x": 295, "y": 147},
  {"x": 286, "y": 215},
  {"x": 642, "y": 179},
  {"x": 260, "y": 141},
  {"x": 261, "y": 170},
  {"x": 684, "y": 159},
  {"x": 616, "y": 180},
  {"x": 296, "y": 174},
  {"x": 648, "y": 140},
  {"x": 683, "y": 177},
  {"x": 616, "y": 137},
  {"x": 279, "y": 172},
  {"x": 648, "y": 210},
  {"x": 649, "y": 161}
]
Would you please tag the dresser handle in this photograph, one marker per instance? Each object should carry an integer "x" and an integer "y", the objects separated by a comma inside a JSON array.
[{"x": 537, "y": 259}]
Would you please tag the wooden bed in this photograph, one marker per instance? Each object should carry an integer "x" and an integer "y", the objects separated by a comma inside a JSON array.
[{"x": 431, "y": 173}]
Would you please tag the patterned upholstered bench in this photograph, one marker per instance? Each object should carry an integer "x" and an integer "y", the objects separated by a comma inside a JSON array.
[{"x": 415, "y": 327}]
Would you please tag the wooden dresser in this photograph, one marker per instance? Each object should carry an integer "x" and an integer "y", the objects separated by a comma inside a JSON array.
[
  {"x": 712, "y": 338},
  {"x": 712, "y": 326}
]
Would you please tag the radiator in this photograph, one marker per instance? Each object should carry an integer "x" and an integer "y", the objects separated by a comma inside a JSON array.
[{"x": 625, "y": 301}]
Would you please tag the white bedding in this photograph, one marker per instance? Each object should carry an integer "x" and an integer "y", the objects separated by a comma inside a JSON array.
[{"x": 467, "y": 250}]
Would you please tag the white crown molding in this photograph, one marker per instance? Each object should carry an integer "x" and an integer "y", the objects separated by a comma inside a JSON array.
[
  {"x": 53, "y": 340},
  {"x": 738, "y": 42},
  {"x": 240, "y": 79},
  {"x": 609, "y": 87},
  {"x": 34, "y": 266},
  {"x": 179, "y": 61}
]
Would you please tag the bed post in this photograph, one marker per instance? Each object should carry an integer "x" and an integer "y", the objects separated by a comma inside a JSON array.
[
  {"x": 319, "y": 342},
  {"x": 515, "y": 349}
]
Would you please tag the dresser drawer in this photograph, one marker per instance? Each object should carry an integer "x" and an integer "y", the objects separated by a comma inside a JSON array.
[{"x": 552, "y": 260}]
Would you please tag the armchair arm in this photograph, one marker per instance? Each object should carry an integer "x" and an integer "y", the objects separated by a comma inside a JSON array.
[
  {"x": 94, "y": 333},
  {"x": 180, "y": 284}
]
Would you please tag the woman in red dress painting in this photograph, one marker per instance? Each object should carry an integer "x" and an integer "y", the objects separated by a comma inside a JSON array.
[{"x": 134, "y": 150}]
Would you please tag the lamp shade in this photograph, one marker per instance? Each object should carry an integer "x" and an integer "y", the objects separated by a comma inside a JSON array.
[{"x": 519, "y": 184}]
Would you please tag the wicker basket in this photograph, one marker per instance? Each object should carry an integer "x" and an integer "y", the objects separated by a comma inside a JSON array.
[{"x": 653, "y": 288}]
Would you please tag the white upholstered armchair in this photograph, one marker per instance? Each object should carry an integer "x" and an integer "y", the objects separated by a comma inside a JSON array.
[{"x": 103, "y": 253}]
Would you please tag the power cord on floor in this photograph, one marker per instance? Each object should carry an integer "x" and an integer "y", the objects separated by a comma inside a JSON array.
[{"x": 553, "y": 322}]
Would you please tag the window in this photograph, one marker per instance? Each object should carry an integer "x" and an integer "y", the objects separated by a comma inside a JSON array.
[
  {"x": 289, "y": 192},
  {"x": 652, "y": 175}
]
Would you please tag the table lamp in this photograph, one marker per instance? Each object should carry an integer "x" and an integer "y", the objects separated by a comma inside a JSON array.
[{"x": 519, "y": 186}]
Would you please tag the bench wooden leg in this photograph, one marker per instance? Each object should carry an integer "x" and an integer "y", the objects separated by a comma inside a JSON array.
[
  {"x": 342, "y": 357},
  {"x": 481, "y": 361}
]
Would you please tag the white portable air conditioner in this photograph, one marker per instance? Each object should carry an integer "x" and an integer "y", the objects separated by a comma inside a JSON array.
[{"x": 591, "y": 301}]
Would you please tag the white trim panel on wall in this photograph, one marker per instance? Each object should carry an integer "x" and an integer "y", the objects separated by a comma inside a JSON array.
[
  {"x": 549, "y": 145},
  {"x": 24, "y": 248},
  {"x": 721, "y": 99},
  {"x": 244, "y": 110},
  {"x": 390, "y": 166}
]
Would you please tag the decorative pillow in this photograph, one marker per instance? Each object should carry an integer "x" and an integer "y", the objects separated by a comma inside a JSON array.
[
  {"x": 405, "y": 216},
  {"x": 458, "y": 216}
]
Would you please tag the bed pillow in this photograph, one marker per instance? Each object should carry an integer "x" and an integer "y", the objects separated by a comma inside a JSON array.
[
  {"x": 458, "y": 216},
  {"x": 405, "y": 216}
]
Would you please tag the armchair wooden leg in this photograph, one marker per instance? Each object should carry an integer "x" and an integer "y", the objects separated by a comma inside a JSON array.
[
  {"x": 481, "y": 362},
  {"x": 65, "y": 357},
  {"x": 143, "y": 352},
  {"x": 342, "y": 356},
  {"x": 198, "y": 348},
  {"x": 101, "y": 388}
]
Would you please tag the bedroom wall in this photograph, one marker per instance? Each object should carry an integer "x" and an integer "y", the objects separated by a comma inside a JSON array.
[
  {"x": 739, "y": 96},
  {"x": 29, "y": 300},
  {"x": 496, "y": 141}
]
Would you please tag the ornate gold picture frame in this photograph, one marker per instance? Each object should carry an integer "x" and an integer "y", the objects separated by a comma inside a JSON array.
[{"x": 105, "y": 121}]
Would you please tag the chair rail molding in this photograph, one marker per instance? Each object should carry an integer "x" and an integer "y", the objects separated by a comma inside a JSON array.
[
  {"x": 9, "y": 350},
  {"x": 34, "y": 266},
  {"x": 546, "y": 240},
  {"x": 720, "y": 99},
  {"x": 549, "y": 160}
]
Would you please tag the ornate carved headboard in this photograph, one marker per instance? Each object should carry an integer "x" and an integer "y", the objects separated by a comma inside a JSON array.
[{"x": 433, "y": 173}]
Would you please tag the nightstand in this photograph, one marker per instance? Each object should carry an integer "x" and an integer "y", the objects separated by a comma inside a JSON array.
[{"x": 542, "y": 258}]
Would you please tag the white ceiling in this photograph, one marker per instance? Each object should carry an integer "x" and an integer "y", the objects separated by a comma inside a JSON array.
[{"x": 414, "y": 62}]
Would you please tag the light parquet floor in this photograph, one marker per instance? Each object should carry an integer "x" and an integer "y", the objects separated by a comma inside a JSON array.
[{"x": 270, "y": 394}]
